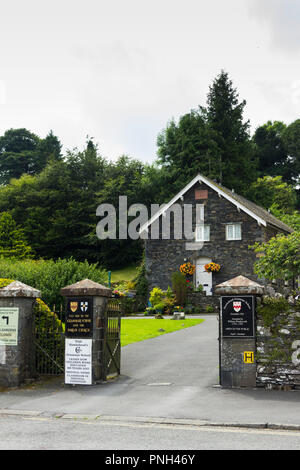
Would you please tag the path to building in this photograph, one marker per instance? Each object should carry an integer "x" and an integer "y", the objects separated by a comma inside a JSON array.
[{"x": 173, "y": 376}]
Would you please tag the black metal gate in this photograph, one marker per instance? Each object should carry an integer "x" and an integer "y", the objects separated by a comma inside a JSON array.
[{"x": 112, "y": 340}]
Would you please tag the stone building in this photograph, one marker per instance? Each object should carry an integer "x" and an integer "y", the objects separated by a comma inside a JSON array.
[{"x": 223, "y": 225}]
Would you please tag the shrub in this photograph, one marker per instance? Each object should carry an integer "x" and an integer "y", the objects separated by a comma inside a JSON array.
[
  {"x": 271, "y": 308},
  {"x": 50, "y": 276},
  {"x": 141, "y": 285},
  {"x": 159, "y": 307},
  {"x": 128, "y": 305},
  {"x": 46, "y": 322},
  {"x": 199, "y": 288},
  {"x": 130, "y": 285},
  {"x": 179, "y": 287},
  {"x": 210, "y": 309},
  {"x": 156, "y": 296},
  {"x": 5, "y": 282},
  {"x": 150, "y": 311},
  {"x": 13, "y": 243}
]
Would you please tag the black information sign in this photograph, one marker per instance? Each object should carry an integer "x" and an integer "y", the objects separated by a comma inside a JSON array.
[
  {"x": 237, "y": 316},
  {"x": 79, "y": 318}
]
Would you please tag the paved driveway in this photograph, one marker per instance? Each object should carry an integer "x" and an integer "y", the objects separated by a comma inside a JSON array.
[{"x": 160, "y": 377}]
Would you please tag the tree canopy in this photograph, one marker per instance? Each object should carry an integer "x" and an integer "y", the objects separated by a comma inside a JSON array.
[
  {"x": 53, "y": 195},
  {"x": 23, "y": 152},
  {"x": 212, "y": 140}
]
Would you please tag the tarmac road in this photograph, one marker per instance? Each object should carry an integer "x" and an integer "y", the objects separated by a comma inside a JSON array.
[{"x": 49, "y": 433}]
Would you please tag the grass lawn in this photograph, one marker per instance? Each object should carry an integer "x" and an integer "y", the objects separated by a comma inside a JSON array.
[
  {"x": 124, "y": 274},
  {"x": 136, "y": 330}
]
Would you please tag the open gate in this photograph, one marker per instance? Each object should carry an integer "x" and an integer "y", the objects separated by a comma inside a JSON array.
[
  {"x": 50, "y": 341},
  {"x": 112, "y": 340}
]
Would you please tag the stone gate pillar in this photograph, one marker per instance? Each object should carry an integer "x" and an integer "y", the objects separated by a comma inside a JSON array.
[
  {"x": 237, "y": 335},
  {"x": 17, "y": 347},
  {"x": 86, "y": 304}
]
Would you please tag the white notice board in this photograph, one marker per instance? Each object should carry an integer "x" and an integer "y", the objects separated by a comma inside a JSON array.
[
  {"x": 9, "y": 319},
  {"x": 78, "y": 361}
]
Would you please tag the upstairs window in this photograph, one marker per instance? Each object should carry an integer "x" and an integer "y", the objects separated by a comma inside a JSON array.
[
  {"x": 202, "y": 233},
  {"x": 233, "y": 232}
]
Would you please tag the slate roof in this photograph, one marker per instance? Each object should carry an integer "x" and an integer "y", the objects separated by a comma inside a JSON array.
[
  {"x": 255, "y": 211},
  {"x": 258, "y": 210}
]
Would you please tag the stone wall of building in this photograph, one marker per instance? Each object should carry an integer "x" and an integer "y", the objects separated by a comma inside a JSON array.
[{"x": 165, "y": 256}]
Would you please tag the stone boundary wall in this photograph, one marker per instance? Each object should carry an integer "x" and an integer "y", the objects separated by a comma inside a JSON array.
[
  {"x": 201, "y": 300},
  {"x": 278, "y": 362}
]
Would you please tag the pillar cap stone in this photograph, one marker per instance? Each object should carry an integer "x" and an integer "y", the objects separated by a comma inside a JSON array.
[
  {"x": 239, "y": 285},
  {"x": 86, "y": 287},
  {"x": 18, "y": 289}
]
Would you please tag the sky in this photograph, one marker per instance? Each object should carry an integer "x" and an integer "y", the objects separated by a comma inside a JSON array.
[{"x": 119, "y": 70}]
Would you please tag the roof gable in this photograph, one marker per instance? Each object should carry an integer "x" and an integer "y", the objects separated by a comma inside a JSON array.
[{"x": 258, "y": 213}]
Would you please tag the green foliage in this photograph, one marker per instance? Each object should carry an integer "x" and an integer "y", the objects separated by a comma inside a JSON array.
[
  {"x": 141, "y": 285},
  {"x": 156, "y": 295},
  {"x": 279, "y": 257},
  {"x": 179, "y": 287},
  {"x": 209, "y": 309},
  {"x": 22, "y": 152},
  {"x": 49, "y": 332},
  {"x": 128, "y": 305},
  {"x": 46, "y": 322},
  {"x": 149, "y": 311},
  {"x": 291, "y": 140},
  {"x": 274, "y": 194},
  {"x": 271, "y": 309},
  {"x": 277, "y": 149},
  {"x": 5, "y": 282},
  {"x": 199, "y": 288},
  {"x": 269, "y": 148},
  {"x": 187, "y": 148},
  {"x": 291, "y": 219},
  {"x": 169, "y": 293},
  {"x": 213, "y": 141},
  {"x": 53, "y": 198},
  {"x": 237, "y": 165},
  {"x": 160, "y": 306},
  {"x": 12, "y": 239},
  {"x": 50, "y": 276}
]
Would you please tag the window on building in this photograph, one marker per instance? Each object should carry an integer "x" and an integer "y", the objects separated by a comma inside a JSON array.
[
  {"x": 233, "y": 232},
  {"x": 202, "y": 233},
  {"x": 199, "y": 213}
]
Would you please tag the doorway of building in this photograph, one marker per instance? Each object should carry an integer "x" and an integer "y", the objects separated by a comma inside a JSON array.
[{"x": 202, "y": 276}]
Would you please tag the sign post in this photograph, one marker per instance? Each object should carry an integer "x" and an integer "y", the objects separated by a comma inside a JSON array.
[
  {"x": 86, "y": 303},
  {"x": 237, "y": 340}
]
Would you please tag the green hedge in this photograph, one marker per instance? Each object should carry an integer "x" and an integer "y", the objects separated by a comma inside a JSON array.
[
  {"x": 50, "y": 276},
  {"x": 48, "y": 328}
]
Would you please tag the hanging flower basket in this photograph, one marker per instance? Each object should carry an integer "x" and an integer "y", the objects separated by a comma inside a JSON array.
[
  {"x": 187, "y": 269},
  {"x": 212, "y": 268}
]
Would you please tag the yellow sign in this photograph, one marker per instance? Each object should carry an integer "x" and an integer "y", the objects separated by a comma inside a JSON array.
[{"x": 248, "y": 357}]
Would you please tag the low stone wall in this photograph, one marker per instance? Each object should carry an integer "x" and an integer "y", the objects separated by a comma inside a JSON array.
[
  {"x": 202, "y": 301},
  {"x": 278, "y": 359}
]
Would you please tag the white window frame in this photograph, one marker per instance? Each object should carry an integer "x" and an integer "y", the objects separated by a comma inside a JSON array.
[
  {"x": 199, "y": 213},
  {"x": 202, "y": 235},
  {"x": 234, "y": 237}
]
